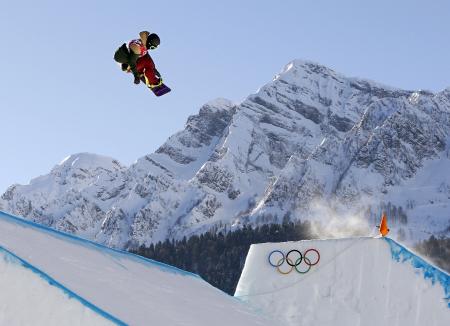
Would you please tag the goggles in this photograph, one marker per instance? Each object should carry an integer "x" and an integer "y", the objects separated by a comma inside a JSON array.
[{"x": 152, "y": 47}]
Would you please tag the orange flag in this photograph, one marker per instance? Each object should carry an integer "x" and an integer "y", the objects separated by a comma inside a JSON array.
[{"x": 384, "y": 230}]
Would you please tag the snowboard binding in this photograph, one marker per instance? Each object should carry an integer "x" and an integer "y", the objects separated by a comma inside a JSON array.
[{"x": 157, "y": 89}]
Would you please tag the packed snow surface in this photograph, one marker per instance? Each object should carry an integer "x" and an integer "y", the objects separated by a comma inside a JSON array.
[
  {"x": 356, "y": 281},
  {"x": 27, "y": 298},
  {"x": 51, "y": 278}
]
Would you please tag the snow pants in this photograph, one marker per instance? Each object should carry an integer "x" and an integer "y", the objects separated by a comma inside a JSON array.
[{"x": 146, "y": 66}]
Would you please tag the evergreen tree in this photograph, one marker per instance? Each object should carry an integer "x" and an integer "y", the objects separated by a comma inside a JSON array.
[{"x": 437, "y": 250}]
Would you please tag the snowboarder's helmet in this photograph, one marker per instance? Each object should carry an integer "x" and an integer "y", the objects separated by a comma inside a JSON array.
[{"x": 152, "y": 41}]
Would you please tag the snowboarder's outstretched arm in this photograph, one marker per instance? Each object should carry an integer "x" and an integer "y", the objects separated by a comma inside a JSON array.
[{"x": 124, "y": 56}]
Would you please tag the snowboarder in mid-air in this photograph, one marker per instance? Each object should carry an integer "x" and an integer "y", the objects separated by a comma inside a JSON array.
[{"x": 136, "y": 59}]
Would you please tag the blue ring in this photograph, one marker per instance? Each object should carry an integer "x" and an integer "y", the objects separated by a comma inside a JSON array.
[{"x": 282, "y": 260}]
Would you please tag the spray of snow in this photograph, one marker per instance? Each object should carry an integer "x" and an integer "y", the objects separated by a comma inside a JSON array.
[{"x": 328, "y": 222}]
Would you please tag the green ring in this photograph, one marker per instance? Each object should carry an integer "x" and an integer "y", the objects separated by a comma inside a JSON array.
[{"x": 307, "y": 262}]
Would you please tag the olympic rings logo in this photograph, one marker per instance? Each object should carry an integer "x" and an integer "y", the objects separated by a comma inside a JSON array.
[{"x": 302, "y": 263}]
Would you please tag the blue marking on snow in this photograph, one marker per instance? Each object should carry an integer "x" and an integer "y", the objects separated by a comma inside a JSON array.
[
  {"x": 12, "y": 258},
  {"x": 115, "y": 253},
  {"x": 429, "y": 272}
]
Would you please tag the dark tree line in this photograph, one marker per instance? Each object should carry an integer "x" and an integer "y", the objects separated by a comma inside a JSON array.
[
  {"x": 219, "y": 257},
  {"x": 437, "y": 250}
]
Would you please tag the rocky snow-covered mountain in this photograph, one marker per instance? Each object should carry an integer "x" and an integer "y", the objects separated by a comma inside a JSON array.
[{"x": 311, "y": 144}]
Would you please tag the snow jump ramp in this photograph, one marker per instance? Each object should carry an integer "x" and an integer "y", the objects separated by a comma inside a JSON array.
[
  {"x": 52, "y": 278},
  {"x": 345, "y": 282}
]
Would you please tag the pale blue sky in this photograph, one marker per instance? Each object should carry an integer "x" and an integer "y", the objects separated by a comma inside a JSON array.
[{"x": 61, "y": 93}]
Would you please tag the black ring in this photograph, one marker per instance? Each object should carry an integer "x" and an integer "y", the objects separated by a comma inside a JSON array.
[{"x": 299, "y": 260}]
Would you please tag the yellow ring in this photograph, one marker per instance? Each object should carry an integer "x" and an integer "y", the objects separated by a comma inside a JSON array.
[{"x": 284, "y": 273}]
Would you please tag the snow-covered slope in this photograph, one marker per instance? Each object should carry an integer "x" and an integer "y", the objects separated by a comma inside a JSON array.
[
  {"x": 51, "y": 278},
  {"x": 356, "y": 281},
  {"x": 310, "y": 141},
  {"x": 30, "y": 297}
]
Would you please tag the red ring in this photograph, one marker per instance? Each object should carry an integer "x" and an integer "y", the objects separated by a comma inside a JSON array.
[{"x": 318, "y": 256}]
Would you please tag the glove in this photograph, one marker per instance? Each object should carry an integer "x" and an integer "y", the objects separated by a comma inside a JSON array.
[
  {"x": 137, "y": 80},
  {"x": 125, "y": 67}
]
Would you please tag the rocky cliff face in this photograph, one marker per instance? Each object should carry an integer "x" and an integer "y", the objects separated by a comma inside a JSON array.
[{"x": 309, "y": 145}]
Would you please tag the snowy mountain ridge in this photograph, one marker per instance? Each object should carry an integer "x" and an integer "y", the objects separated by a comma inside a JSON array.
[{"x": 308, "y": 144}]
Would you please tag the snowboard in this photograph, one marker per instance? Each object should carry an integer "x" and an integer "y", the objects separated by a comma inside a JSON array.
[
  {"x": 160, "y": 89},
  {"x": 157, "y": 90}
]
